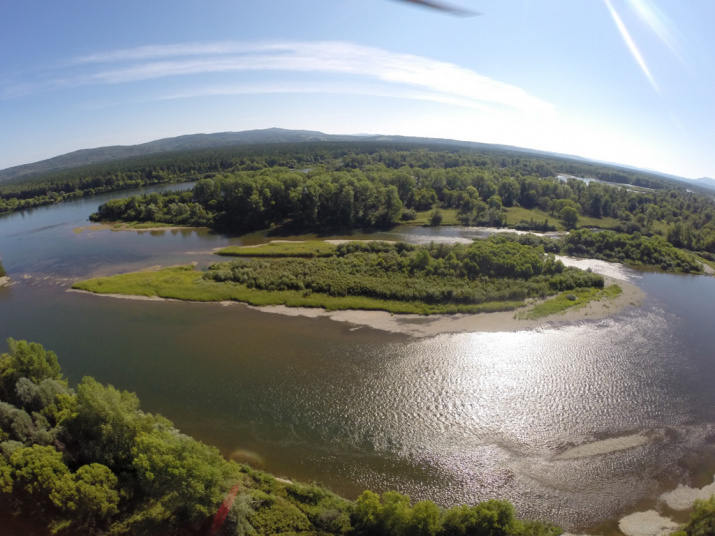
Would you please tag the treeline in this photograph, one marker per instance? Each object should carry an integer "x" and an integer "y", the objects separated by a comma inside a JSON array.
[
  {"x": 359, "y": 190},
  {"x": 352, "y": 184},
  {"x": 89, "y": 461},
  {"x": 630, "y": 249},
  {"x": 493, "y": 270},
  {"x": 634, "y": 249}
]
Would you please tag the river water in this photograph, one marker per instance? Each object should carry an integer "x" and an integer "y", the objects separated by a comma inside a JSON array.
[{"x": 455, "y": 418}]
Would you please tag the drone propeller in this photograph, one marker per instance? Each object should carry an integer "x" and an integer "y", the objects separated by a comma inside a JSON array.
[{"x": 444, "y": 7}]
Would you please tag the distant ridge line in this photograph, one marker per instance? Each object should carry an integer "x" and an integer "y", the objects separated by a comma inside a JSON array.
[{"x": 188, "y": 142}]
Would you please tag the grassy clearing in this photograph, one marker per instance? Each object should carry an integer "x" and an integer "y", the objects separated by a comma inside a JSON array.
[
  {"x": 184, "y": 283},
  {"x": 515, "y": 214},
  {"x": 568, "y": 300},
  {"x": 449, "y": 217},
  {"x": 600, "y": 223},
  {"x": 311, "y": 248}
]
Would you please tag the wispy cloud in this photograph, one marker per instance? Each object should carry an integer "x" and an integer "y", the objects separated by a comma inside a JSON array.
[{"x": 378, "y": 71}]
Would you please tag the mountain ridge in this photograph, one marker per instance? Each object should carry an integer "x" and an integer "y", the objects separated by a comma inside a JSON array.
[
  {"x": 198, "y": 141},
  {"x": 109, "y": 153}
]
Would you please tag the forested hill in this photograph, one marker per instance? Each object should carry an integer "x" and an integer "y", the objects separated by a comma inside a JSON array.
[
  {"x": 46, "y": 169},
  {"x": 394, "y": 151},
  {"x": 181, "y": 143}
]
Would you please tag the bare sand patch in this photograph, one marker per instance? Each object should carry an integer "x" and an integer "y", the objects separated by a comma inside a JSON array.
[
  {"x": 649, "y": 523},
  {"x": 683, "y": 497},
  {"x": 605, "y": 446},
  {"x": 427, "y": 326},
  {"x": 4, "y": 281}
]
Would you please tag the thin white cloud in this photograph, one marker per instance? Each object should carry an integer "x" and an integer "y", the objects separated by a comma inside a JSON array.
[
  {"x": 369, "y": 90},
  {"x": 412, "y": 75}
]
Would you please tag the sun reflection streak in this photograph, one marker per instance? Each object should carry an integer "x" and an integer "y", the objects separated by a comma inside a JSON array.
[
  {"x": 631, "y": 44},
  {"x": 657, "y": 22}
]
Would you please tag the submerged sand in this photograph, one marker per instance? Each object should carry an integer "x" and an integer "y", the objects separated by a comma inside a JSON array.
[
  {"x": 605, "y": 446},
  {"x": 683, "y": 497},
  {"x": 649, "y": 523}
]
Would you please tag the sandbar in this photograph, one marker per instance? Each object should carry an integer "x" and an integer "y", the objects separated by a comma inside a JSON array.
[
  {"x": 428, "y": 326},
  {"x": 683, "y": 497},
  {"x": 649, "y": 523},
  {"x": 604, "y": 446},
  {"x": 4, "y": 281}
]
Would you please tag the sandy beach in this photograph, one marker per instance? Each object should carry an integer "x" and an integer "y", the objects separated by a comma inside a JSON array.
[{"x": 428, "y": 326}]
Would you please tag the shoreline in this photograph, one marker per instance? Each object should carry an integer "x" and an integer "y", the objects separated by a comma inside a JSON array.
[
  {"x": 122, "y": 226},
  {"x": 415, "y": 325}
]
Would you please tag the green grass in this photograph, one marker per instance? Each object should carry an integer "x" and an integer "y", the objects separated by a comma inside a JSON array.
[
  {"x": 449, "y": 217},
  {"x": 311, "y": 248},
  {"x": 184, "y": 283},
  {"x": 561, "y": 302},
  {"x": 601, "y": 223},
  {"x": 515, "y": 214}
]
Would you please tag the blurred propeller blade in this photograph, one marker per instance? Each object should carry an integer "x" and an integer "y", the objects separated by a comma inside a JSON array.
[{"x": 444, "y": 7}]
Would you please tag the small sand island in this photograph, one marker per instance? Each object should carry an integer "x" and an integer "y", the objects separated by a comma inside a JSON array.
[
  {"x": 490, "y": 285},
  {"x": 4, "y": 279}
]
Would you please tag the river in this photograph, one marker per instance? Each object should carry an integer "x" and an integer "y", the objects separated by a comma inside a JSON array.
[{"x": 456, "y": 418}]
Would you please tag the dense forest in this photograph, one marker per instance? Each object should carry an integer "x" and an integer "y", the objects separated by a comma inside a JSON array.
[
  {"x": 88, "y": 461},
  {"x": 330, "y": 186},
  {"x": 353, "y": 185},
  {"x": 633, "y": 249}
]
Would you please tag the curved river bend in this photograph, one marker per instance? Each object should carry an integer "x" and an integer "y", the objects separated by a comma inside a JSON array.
[{"x": 454, "y": 418}]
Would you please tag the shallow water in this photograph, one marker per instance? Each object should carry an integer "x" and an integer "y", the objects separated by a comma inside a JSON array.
[{"x": 454, "y": 418}]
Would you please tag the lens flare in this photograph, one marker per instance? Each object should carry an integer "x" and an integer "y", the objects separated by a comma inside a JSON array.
[
  {"x": 657, "y": 21},
  {"x": 625, "y": 34}
]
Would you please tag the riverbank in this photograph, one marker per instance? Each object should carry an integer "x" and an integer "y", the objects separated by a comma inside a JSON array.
[
  {"x": 501, "y": 321},
  {"x": 122, "y": 226},
  {"x": 416, "y": 325}
]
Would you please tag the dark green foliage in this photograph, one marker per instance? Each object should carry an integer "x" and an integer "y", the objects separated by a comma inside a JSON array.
[
  {"x": 569, "y": 216},
  {"x": 361, "y": 184},
  {"x": 491, "y": 270},
  {"x": 702, "y": 520},
  {"x": 632, "y": 249},
  {"x": 392, "y": 514},
  {"x": 435, "y": 217}
]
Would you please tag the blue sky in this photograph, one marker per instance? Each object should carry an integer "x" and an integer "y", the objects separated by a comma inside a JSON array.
[{"x": 626, "y": 81}]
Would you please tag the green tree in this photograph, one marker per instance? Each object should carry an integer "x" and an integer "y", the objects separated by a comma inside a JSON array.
[
  {"x": 569, "y": 217},
  {"x": 702, "y": 520}
]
